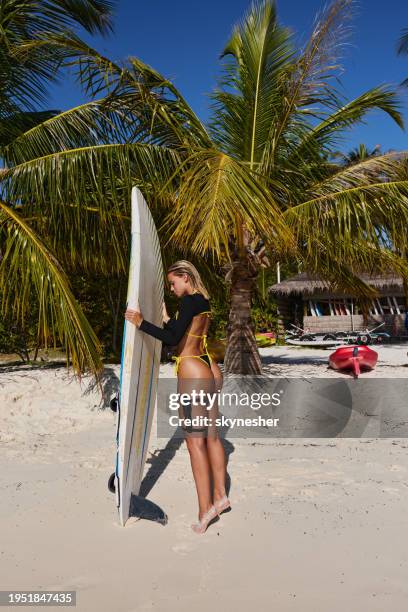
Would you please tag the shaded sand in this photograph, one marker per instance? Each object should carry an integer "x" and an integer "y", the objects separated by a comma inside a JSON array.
[{"x": 317, "y": 524}]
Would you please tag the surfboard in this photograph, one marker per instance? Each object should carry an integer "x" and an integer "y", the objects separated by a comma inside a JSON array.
[{"x": 140, "y": 363}]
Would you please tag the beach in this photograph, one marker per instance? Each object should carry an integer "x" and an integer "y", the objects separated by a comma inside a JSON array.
[
  {"x": 173, "y": 173},
  {"x": 316, "y": 524}
]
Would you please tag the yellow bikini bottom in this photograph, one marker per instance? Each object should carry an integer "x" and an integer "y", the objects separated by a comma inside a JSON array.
[{"x": 205, "y": 357}]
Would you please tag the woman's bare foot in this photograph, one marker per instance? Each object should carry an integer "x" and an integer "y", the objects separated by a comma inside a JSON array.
[
  {"x": 222, "y": 504},
  {"x": 205, "y": 520}
]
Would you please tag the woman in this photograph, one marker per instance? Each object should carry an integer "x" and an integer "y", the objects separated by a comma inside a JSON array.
[{"x": 188, "y": 330}]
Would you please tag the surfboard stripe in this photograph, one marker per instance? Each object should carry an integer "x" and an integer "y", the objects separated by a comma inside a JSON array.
[
  {"x": 133, "y": 422},
  {"x": 145, "y": 437}
]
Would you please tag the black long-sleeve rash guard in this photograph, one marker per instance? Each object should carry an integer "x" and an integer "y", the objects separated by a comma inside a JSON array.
[{"x": 174, "y": 329}]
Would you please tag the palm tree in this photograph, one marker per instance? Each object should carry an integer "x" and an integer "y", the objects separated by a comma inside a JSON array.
[
  {"x": 359, "y": 154},
  {"x": 27, "y": 262},
  {"x": 23, "y": 84},
  {"x": 256, "y": 182}
]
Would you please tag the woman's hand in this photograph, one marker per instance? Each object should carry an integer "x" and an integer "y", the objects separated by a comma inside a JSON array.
[
  {"x": 165, "y": 315},
  {"x": 134, "y": 316}
]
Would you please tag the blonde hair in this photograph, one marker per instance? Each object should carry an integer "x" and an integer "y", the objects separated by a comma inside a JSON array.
[{"x": 185, "y": 267}]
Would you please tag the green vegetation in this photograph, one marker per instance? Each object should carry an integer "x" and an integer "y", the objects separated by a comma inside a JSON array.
[{"x": 255, "y": 186}]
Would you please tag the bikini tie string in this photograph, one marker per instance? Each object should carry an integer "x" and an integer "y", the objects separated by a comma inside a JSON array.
[{"x": 177, "y": 360}]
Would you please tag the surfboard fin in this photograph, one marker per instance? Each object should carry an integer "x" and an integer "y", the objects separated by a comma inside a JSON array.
[{"x": 140, "y": 507}]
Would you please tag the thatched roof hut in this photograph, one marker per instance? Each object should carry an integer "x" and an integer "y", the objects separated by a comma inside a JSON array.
[
  {"x": 307, "y": 284},
  {"x": 310, "y": 302}
]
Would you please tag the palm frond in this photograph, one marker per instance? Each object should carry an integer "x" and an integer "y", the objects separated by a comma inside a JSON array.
[
  {"x": 23, "y": 22},
  {"x": 330, "y": 130},
  {"x": 25, "y": 19},
  {"x": 95, "y": 16},
  {"x": 372, "y": 212},
  {"x": 387, "y": 167},
  {"x": 215, "y": 195},
  {"x": 257, "y": 54},
  {"x": 343, "y": 275},
  {"x": 28, "y": 270},
  {"x": 310, "y": 85},
  {"x": 14, "y": 123},
  {"x": 80, "y": 199},
  {"x": 70, "y": 176},
  {"x": 163, "y": 115},
  {"x": 92, "y": 123},
  {"x": 84, "y": 238}
]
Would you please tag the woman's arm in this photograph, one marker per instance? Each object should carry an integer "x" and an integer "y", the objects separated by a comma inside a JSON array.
[
  {"x": 175, "y": 328},
  {"x": 165, "y": 314}
]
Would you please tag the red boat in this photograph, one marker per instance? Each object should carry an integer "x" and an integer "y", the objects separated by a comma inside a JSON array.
[{"x": 355, "y": 358}]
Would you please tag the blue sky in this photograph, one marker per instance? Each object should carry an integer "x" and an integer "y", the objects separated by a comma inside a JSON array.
[{"x": 183, "y": 41}]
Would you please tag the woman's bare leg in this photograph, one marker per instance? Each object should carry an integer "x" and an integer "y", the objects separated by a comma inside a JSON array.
[
  {"x": 215, "y": 448},
  {"x": 218, "y": 463},
  {"x": 200, "y": 466},
  {"x": 195, "y": 374}
]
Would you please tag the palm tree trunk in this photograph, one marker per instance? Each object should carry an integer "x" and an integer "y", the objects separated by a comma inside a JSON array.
[
  {"x": 242, "y": 355},
  {"x": 37, "y": 348}
]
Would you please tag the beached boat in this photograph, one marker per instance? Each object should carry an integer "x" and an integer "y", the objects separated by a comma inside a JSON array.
[
  {"x": 313, "y": 342},
  {"x": 354, "y": 358}
]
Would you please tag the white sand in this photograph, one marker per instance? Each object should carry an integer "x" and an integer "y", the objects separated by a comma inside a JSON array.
[{"x": 317, "y": 524}]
